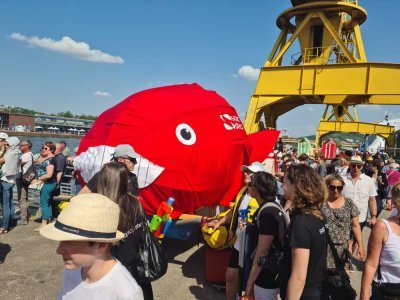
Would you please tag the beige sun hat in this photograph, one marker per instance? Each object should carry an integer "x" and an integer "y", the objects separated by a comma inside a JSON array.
[
  {"x": 88, "y": 217},
  {"x": 356, "y": 160}
]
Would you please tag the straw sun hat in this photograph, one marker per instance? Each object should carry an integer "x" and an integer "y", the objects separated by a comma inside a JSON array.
[
  {"x": 356, "y": 160},
  {"x": 88, "y": 217}
]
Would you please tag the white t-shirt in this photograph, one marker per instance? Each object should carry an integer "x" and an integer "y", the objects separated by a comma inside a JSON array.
[
  {"x": 360, "y": 192},
  {"x": 26, "y": 159},
  {"x": 117, "y": 284}
]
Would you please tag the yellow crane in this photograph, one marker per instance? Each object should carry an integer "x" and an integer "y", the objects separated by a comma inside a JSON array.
[{"x": 331, "y": 69}]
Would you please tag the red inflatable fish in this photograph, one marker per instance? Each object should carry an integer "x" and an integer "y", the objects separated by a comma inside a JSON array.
[{"x": 191, "y": 141}]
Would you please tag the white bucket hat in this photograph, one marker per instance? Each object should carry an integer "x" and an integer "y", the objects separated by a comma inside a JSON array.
[
  {"x": 254, "y": 167},
  {"x": 88, "y": 217}
]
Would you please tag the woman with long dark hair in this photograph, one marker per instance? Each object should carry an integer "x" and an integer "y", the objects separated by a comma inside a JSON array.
[
  {"x": 113, "y": 183},
  {"x": 303, "y": 265},
  {"x": 262, "y": 282}
]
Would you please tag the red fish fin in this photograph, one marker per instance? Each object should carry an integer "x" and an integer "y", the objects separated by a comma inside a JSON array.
[{"x": 261, "y": 144}]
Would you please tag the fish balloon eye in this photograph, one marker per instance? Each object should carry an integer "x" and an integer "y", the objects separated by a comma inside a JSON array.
[{"x": 185, "y": 134}]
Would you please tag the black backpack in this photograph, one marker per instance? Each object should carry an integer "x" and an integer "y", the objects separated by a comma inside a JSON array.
[{"x": 272, "y": 260}]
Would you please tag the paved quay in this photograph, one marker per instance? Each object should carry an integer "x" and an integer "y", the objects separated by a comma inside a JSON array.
[{"x": 32, "y": 270}]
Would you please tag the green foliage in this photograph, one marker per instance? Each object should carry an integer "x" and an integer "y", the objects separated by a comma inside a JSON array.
[
  {"x": 30, "y": 112},
  {"x": 340, "y": 137},
  {"x": 66, "y": 114},
  {"x": 19, "y": 110}
]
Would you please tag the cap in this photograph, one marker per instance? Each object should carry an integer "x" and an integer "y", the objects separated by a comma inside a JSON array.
[
  {"x": 125, "y": 150},
  {"x": 254, "y": 167}
]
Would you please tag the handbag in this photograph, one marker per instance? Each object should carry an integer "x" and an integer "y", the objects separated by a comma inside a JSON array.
[
  {"x": 220, "y": 238},
  {"x": 36, "y": 185},
  {"x": 337, "y": 283},
  {"x": 151, "y": 263},
  {"x": 385, "y": 290},
  {"x": 29, "y": 175}
]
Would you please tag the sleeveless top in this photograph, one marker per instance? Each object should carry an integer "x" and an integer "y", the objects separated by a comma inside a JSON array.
[{"x": 390, "y": 257}]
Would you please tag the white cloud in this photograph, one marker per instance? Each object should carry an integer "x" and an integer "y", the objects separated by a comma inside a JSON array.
[
  {"x": 102, "y": 94},
  {"x": 249, "y": 72},
  {"x": 69, "y": 47}
]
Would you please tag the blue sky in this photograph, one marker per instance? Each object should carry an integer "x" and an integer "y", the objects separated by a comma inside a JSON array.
[{"x": 86, "y": 56}]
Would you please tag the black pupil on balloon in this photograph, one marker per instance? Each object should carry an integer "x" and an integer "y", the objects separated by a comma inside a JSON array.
[{"x": 186, "y": 134}]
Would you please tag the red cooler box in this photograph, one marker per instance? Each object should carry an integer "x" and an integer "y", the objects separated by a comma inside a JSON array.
[{"x": 216, "y": 264}]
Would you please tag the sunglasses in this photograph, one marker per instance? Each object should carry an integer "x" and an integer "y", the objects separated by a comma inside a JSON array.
[
  {"x": 132, "y": 160},
  {"x": 356, "y": 166},
  {"x": 339, "y": 188}
]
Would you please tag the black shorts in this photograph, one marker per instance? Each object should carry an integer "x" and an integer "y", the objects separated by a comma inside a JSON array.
[{"x": 234, "y": 260}]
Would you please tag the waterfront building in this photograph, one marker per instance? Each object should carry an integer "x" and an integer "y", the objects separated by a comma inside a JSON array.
[
  {"x": 16, "y": 122},
  {"x": 62, "y": 125},
  {"x": 44, "y": 123}
]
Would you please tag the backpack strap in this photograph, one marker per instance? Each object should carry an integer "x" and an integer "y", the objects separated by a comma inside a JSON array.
[
  {"x": 277, "y": 206},
  {"x": 242, "y": 193},
  {"x": 283, "y": 213},
  {"x": 33, "y": 165}
]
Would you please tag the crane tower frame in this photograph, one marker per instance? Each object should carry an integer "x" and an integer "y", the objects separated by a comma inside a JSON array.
[{"x": 331, "y": 69}]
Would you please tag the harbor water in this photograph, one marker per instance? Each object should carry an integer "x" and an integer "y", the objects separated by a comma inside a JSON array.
[{"x": 37, "y": 142}]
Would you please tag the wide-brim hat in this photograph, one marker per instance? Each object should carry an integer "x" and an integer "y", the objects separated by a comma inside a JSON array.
[
  {"x": 356, "y": 160},
  {"x": 125, "y": 150},
  {"x": 88, "y": 217},
  {"x": 254, "y": 167}
]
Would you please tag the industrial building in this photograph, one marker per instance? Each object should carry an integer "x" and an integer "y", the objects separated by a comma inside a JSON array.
[{"x": 43, "y": 123}]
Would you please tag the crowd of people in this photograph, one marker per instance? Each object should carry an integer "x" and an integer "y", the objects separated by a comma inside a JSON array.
[
  {"x": 21, "y": 168},
  {"x": 329, "y": 204},
  {"x": 111, "y": 204},
  {"x": 296, "y": 225}
]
